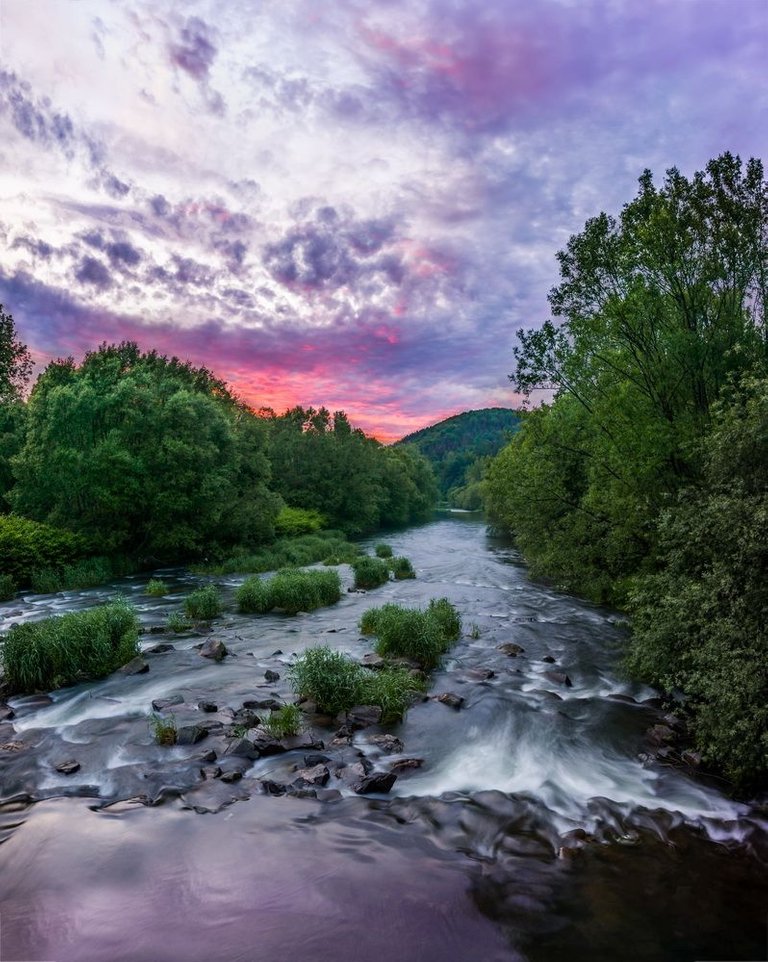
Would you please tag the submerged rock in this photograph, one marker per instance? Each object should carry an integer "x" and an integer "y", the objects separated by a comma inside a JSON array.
[
  {"x": 406, "y": 765},
  {"x": 451, "y": 699},
  {"x": 160, "y": 649},
  {"x": 6, "y": 712},
  {"x": 558, "y": 678},
  {"x": 213, "y": 649},
  {"x": 68, "y": 767},
  {"x": 207, "y": 706},
  {"x": 136, "y": 666},
  {"x": 272, "y": 675},
  {"x": 511, "y": 649},
  {"x": 388, "y": 744}
]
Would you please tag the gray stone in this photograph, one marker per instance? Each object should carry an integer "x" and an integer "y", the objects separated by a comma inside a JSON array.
[
  {"x": 380, "y": 782},
  {"x": 160, "y": 649},
  {"x": 511, "y": 649},
  {"x": 136, "y": 666},
  {"x": 372, "y": 660},
  {"x": 190, "y": 734},
  {"x": 207, "y": 706},
  {"x": 232, "y": 776},
  {"x": 451, "y": 699},
  {"x": 6, "y": 712},
  {"x": 213, "y": 649},
  {"x": 161, "y": 704},
  {"x": 242, "y": 748},
  {"x": 388, "y": 744},
  {"x": 272, "y": 675},
  {"x": 363, "y": 716},
  {"x": 263, "y": 704},
  {"x": 558, "y": 678},
  {"x": 68, "y": 767},
  {"x": 327, "y": 794},
  {"x": 311, "y": 777}
]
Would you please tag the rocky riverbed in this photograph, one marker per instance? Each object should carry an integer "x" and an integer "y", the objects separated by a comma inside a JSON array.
[{"x": 533, "y": 805}]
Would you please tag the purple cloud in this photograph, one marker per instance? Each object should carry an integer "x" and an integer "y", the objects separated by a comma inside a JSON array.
[{"x": 194, "y": 50}]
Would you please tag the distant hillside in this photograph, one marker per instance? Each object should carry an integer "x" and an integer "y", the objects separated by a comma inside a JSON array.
[{"x": 455, "y": 444}]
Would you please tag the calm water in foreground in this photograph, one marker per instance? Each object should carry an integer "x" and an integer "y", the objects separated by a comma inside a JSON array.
[{"x": 459, "y": 862}]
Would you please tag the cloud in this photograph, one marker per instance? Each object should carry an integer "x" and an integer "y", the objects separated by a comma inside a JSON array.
[
  {"x": 194, "y": 50},
  {"x": 92, "y": 271}
]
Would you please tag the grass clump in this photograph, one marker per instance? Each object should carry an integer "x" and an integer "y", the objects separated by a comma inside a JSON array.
[
  {"x": 305, "y": 550},
  {"x": 156, "y": 588},
  {"x": 412, "y": 632},
  {"x": 383, "y": 551},
  {"x": 284, "y": 723},
  {"x": 370, "y": 572},
  {"x": 401, "y": 568},
  {"x": 291, "y": 590},
  {"x": 335, "y": 683},
  {"x": 177, "y": 622},
  {"x": 203, "y": 604},
  {"x": 86, "y": 573},
  {"x": 7, "y": 588},
  {"x": 48, "y": 654},
  {"x": 163, "y": 729}
]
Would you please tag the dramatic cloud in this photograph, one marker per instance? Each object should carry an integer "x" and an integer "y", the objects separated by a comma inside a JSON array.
[{"x": 355, "y": 204}]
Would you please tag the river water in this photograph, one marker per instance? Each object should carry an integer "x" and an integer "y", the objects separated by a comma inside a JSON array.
[{"x": 539, "y": 826}]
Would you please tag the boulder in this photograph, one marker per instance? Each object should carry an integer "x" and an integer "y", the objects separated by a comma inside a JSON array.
[
  {"x": 190, "y": 734},
  {"x": 510, "y": 649},
  {"x": 208, "y": 772},
  {"x": 232, "y": 776},
  {"x": 380, "y": 782},
  {"x": 161, "y": 704},
  {"x": 6, "y": 712},
  {"x": 406, "y": 765},
  {"x": 363, "y": 716},
  {"x": 263, "y": 704},
  {"x": 451, "y": 699},
  {"x": 207, "y": 706},
  {"x": 272, "y": 675},
  {"x": 242, "y": 748},
  {"x": 68, "y": 767},
  {"x": 480, "y": 674},
  {"x": 213, "y": 649},
  {"x": 318, "y": 775},
  {"x": 372, "y": 660},
  {"x": 136, "y": 666},
  {"x": 388, "y": 744},
  {"x": 159, "y": 649},
  {"x": 315, "y": 758},
  {"x": 558, "y": 678}
]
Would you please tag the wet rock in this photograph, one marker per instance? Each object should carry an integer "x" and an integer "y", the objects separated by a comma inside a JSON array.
[
  {"x": 136, "y": 666},
  {"x": 159, "y": 649},
  {"x": 311, "y": 777},
  {"x": 619, "y": 696},
  {"x": 306, "y": 741},
  {"x": 316, "y": 758},
  {"x": 244, "y": 718},
  {"x": 276, "y": 653},
  {"x": 213, "y": 649},
  {"x": 341, "y": 741},
  {"x": 403, "y": 765},
  {"x": 213, "y": 796},
  {"x": 480, "y": 674},
  {"x": 552, "y": 695},
  {"x": 272, "y": 675},
  {"x": 558, "y": 678},
  {"x": 68, "y": 767},
  {"x": 162, "y": 704},
  {"x": 207, "y": 706},
  {"x": 511, "y": 649},
  {"x": 33, "y": 701},
  {"x": 380, "y": 782},
  {"x": 451, "y": 699},
  {"x": 263, "y": 704},
  {"x": 372, "y": 660},
  {"x": 327, "y": 794},
  {"x": 363, "y": 716},
  {"x": 270, "y": 787},
  {"x": 234, "y": 775},
  {"x": 156, "y": 629},
  {"x": 209, "y": 756},
  {"x": 210, "y": 771},
  {"x": 691, "y": 758},
  {"x": 242, "y": 748},
  {"x": 388, "y": 744},
  {"x": 266, "y": 745},
  {"x": 660, "y": 734},
  {"x": 190, "y": 734},
  {"x": 6, "y": 712},
  {"x": 567, "y": 853},
  {"x": 549, "y": 659}
]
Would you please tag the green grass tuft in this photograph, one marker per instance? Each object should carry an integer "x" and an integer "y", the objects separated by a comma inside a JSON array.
[
  {"x": 156, "y": 588},
  {"x": 413, "y": 633},
  {"x": 370, "y": 572},
  {"x": 203, "y": 604},
  {"x": 401, "y": 568},
  {"x": 291, "y": 590},
  {"x": 163, "y": 729},
  {"x": 285, "y": 722},
  {"x": 383, "y": 551}
]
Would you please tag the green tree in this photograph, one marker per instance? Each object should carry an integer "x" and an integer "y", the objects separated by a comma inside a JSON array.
[{"x": 15, "y": 371}]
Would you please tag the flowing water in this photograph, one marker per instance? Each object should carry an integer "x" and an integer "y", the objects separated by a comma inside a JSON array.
[{"x": 539, "y": 827}]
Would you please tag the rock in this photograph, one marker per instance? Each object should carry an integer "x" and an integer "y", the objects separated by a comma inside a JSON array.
[
  {"x": 209, "y": 756},
  {"x": 303, "y": 742},
  {"x": 190, "y": 734},
  {"x": 660, "y": 734},
  {"x": 451, "y": 699},
  {"x": 136, "y": 666},
  {"x": 242, "y": 748},
  {"x": 388, "y": 744},
  {"x": 376, "y": 782},
  {"x": 263, "y": 704},
  {"x": 69, "y": 767},
  {"x": 558, "y": 678},
  {"x": 270, "y": 787},
  {"x": 406, "y": 765},
  {"x": 620, "y": 696},
  {"x": 363, "y": 716},
  {"x": 569, "y": 852},
  {"x": 511, "y": 649},
  {"x": 480, "y": 674},
  {"x": 276, "y": 653},
  {"x": 214, "y": 649},
  {"x": 159, "y": 649},
  {"x": 207, "y": 706},
  {"x": 691, "y": 757},
  {"x": 232, "y": 776},
  {"x": 266, "y": 745},
  {"x": 315, "y": 758},
  {"x": 210, "y": 771},
  {"x": 549, "y": 659},
  {"x": 156, "y": 630},
  {"x": 33, "y": 701},
  {"x": 161, "y": 704},
  {"x": 341, "y": 741},
  {"x": 272, "y": 675},
  {"x": 311, "y": 777},
  {"x": 6, "y": 712},
  {"x": 372, "y": 660},
  {"x": 327, "y": 794}
]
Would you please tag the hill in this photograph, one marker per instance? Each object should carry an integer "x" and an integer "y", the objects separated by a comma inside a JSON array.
[{"x": 455, "y": 444}]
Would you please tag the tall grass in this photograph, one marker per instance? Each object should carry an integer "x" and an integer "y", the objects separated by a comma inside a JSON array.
[
  {"x": 423, "y": 635},
  {"x": 7, "y": 588},
  {"x": 401, "y": 568},
  {"x": 290, "y": 589},
  {"x": 47, "y": 654},
  {"x": 203, "y": 604},
  {"x": 370, "y": 572},
  {"x": 383, "y": 550},
  {"x": 305, "y": 550},
  {"x": 86, "y": 573}
]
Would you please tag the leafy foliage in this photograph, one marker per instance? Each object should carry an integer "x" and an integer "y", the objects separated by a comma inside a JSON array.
[
  {"x": 292, "y": 522},
  {"x": 47, "y": 654},
  {"x": 28, "y": 546}
]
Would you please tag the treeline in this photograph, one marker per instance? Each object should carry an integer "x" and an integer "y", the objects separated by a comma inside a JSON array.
[
  {"x": 645, "y": 482},
  {"x": 137, "y": 456}
]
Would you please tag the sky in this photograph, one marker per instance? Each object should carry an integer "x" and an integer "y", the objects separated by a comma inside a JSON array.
[{"x": 354, "y": 203}]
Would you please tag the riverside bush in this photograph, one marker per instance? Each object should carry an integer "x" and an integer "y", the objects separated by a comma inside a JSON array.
[
  {"x": 7, "y": 588},
  {"x": 401, "y": 568},
  {"x": 370, "y": 572},
  {"x": 291, "y": 522},
  {"x": 28, "y": 546},
  {"x": 412, "y": 632},
  {"x": 335, "y": 683},
  {"x": 86, "y": 573},
  {"x": 253, "y": 597},
  {"x": 203, "y": 604},
  {"x": 47, "y": 654},
  {"x": 305, "y": 550}
]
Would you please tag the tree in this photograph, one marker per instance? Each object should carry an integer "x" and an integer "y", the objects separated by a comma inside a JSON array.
[{"x": 15, "y": 361}]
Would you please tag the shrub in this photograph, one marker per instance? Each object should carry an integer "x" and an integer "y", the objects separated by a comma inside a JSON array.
[
  {"x": 203, "y": 604},
  {"x": 284, "y": 722},
  {"x": 296, "y": 521},
  {"x": 163, "y": 729},
  {"x": 178, "y": 622},
  {"x": 295, "y": 591},
  {"x": 27, "y": 546},
  {"x": 402, "y": 568},
  {"x": 370, "y": 572},
  {"x": 383, "y": 551},
  {"x": 331, "y": 679},
  {"x": 413, "y": 633},
  {"x": 59, "y": 651},
  {"x": 156, "y": 588},
  {"x": 7, "y": 588},
  {"x": 253, "y": 597}
]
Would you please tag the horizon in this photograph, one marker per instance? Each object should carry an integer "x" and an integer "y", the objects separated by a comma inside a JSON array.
[{"x": 353, "y": 207}]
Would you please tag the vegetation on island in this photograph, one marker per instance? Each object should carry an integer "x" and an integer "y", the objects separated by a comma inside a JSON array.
[{"x": 644, "y": 483}]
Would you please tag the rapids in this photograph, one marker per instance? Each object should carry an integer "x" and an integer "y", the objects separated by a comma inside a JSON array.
[{"x": 540, "y": 826}]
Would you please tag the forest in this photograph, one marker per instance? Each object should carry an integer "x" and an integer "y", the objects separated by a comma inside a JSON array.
[
  {"x": 134, "y": 459},
  {"x": 644, "y": 484}
]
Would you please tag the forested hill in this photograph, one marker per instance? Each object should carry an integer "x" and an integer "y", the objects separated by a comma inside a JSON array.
[{"x": 456, "y": 443}]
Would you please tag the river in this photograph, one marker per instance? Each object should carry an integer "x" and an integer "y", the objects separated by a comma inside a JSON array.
[{"x": 540, "y": 827}]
